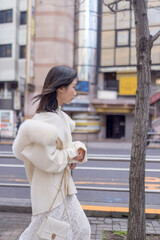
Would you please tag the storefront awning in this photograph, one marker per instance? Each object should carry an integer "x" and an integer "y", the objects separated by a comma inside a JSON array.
[{"x": 114, "y": 106}]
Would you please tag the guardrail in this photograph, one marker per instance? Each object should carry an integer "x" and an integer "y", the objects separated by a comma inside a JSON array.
[{"x": 91, "y": 157}]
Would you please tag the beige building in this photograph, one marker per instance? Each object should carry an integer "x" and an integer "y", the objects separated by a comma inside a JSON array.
[
  {"x": 111, "y": 58},
  {"x": 53, "y": 42},
  {"x": 117, "y": 82}
]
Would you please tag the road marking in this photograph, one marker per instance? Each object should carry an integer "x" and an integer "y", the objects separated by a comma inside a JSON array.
[
  {"x": 12, "y": 165},
  {"x": 148, "y": 182},
  {"x": 104, "y": 208},
  {"x": 11, "y": 178},
  {"x": 116, "y": 209},
  {"x": 152, "y": 186},
  {"x": 101, "y": 183},
  {"x": 152, "y": 179},
  {"x": 102, "y": 168},
  {"x": 147, "y": 186},
  {"x": 113, "y": 169}
]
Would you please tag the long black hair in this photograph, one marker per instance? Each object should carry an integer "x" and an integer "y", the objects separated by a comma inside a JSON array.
[{"x": 58, "y": 76}]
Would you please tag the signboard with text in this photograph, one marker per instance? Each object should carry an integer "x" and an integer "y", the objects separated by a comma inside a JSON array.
[
  {"x": 6, "y": 123},
  {"x": 128, "y": 85}
]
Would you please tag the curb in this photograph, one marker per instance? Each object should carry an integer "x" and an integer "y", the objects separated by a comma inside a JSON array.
[
  {"x": 15, "y": 205},
  {"x": 24, "y": 206},
  {"x": 89, "y": 213}
]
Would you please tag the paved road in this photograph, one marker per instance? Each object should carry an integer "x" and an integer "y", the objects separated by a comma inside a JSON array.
[{"x": 88, "y": 177}]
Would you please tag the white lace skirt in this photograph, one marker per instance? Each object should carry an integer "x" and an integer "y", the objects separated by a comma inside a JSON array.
[{"x": 80, "y": 227}]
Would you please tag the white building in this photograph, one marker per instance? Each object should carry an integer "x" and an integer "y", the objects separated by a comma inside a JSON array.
[{"x": 13, "y": 16}]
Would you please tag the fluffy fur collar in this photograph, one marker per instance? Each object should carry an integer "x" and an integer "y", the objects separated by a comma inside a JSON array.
[{"x": 34, "y": 131}]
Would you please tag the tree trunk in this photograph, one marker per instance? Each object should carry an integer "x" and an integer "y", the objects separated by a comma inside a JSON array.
[{"x": 136, "y": 220}]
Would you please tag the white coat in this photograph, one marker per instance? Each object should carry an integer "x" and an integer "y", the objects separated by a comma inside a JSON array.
[{"x": 45, "y": 145}]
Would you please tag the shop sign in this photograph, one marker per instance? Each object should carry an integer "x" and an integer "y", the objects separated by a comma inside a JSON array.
[
  {"x": 6, "y": 123},
  {"x": 128, "y": 85}
]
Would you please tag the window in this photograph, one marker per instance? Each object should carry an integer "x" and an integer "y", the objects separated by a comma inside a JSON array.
[
  {"x": 6, "y": 50},
  {"x": 111, "y": 85},
  {"x": 1, "y": 90},
  {"x": 110, "y": 82},
  {"x": 23, "y": 18},
  {"x": 5, "y": 90},
  {"x": 22, "y": 52},
  {"x": 6, "y": 16},
  {"x": 123, "y": 38}
]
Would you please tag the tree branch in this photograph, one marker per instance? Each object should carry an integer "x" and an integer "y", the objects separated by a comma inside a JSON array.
[
  {"x": 112, "y": 4},
  {"x": 154, "y": 38}
]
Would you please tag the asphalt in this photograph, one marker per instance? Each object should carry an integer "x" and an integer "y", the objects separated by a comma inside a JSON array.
[{"x": 15, "y": 214}]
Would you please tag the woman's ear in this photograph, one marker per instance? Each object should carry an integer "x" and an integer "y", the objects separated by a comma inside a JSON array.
[{"x": 60, "y": 90}]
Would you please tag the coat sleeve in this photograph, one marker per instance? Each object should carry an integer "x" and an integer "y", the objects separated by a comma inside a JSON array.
[
  {"x": 48, "y": 158},
  {"x": 77, "y": 145}
]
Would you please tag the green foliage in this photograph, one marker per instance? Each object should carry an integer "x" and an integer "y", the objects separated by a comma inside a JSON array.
[
  {"x": 104, "y": 235},
  {"x": 120, "y": 233}
]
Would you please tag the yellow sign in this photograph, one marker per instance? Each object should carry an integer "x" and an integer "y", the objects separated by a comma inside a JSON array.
[{"x": 128, "y": 85}]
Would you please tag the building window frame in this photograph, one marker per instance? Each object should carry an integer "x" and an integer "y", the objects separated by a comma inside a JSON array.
[
  {"x": 6, "y": 16},
  {"x": 23, "y": 18},
  {"x": 5, "y": 50},
  {"x": 110, "y": 82},
  {"x": 111, "y": 85},
  {"x": 117, "y": 44},
  {"x": 22, "y": 51}
]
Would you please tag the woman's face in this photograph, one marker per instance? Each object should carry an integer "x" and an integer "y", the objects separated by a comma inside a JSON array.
[{"x": 66, "y": 94}]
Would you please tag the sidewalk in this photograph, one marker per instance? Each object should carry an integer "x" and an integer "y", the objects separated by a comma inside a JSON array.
[
  {"x": 13, "y": 224},
  {"x": 15, "y": 215}
]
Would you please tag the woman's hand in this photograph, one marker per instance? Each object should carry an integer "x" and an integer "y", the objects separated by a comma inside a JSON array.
[
  {"x": 72, "y": 166},
  {"x": 80, "y": 156}
]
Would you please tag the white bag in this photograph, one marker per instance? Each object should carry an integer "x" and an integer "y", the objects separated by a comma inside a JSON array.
[{"x": 52, "y": 228}]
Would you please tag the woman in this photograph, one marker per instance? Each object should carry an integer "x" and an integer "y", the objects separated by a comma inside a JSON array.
[{"x": 45, "y": 145}]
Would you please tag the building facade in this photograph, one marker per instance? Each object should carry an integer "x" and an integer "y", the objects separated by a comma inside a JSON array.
[
  {"x": 117, "y": 80},
  {"x": 53, "y": 43},
  {"x": 12, "y": 64},
  {"x": 35, "y": 36},
  {"x": 85, "y": 62},
  {"x": 99, "y": 44}
]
